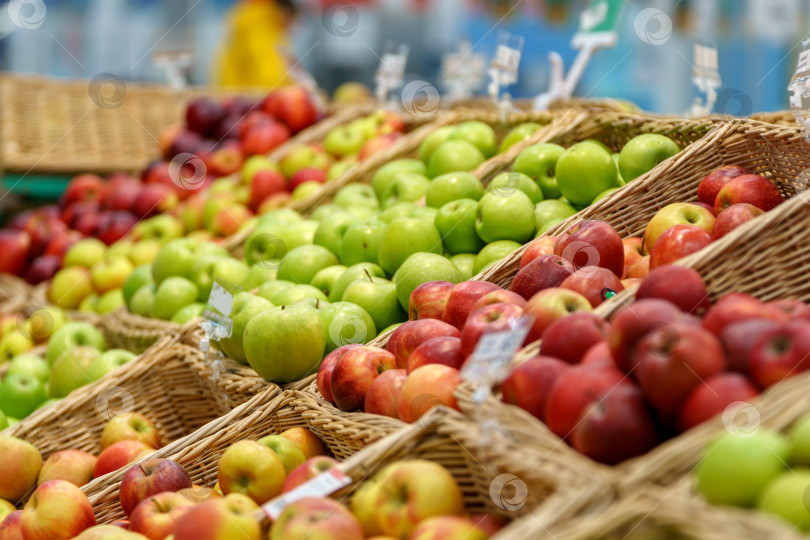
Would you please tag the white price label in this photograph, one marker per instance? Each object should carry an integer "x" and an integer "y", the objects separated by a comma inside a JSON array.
[
  {"x": 804, "y": 62},
  {"x": 494, "y": 352},
  {"x": 506, "y": 59},
  {"x": 392, "y": 67},
  {"x": 322, "y": 485},
  {"x": 706, "y": 57},
  {"x": 221, "y": 299}
]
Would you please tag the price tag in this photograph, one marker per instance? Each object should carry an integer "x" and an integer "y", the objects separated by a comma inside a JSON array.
[
  {"x": 463, "y": 71},
  {"x": 391, "y": 71},
  {"x": 804, "y": 62},
  {"x": 598, "y": 24},
  {"x": 493, "y": 354},
  {"x": 705, "y": 66},
  {"x": 221, "y": 299},
  {"x": 322, "y": 485},
  {"x": 799, "y": 89}
]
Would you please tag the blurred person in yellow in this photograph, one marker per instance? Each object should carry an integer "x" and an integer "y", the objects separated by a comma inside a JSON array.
[{"x": 256, "y": 35}]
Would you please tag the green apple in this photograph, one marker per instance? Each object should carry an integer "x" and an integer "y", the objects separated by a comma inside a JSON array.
[
  {"x": 787, "y": 496},
  {"x": 615, "y": 156},
  {"x": 162, "y": 228},
  {"x": 405, "y": 236},
  {"x": 138, "y": 278},
  {"x": 109, "y": 361},
  {"x": 506, "y": 183},
  {"x": 257, "y": 275},
  {"x": 453, "y": 186},
  {"x": 539, "y": 162},
  {"x": 71, "y": 371},
  {"x": 88, "y": 305},
  {"x": 326, "y": 278},
  {"x": 71, "y": 335},
  {"x": 598, "y": 143},
  {"x": 345, "y": 323},
  {"x": 455, "y": 222},
  {"x": 452, "y": 156},
  {"x": 479, "y": 135},
  {"x": 605, "y": 194},
  {"x": 29, "y": 364},
  {"x": 188, "y": 313},
  {"x": 254, "y": 164},
  {"x": 434, "y": 141},
  {"x": 171, "y": 295},
  {"x": 12, "y": 344},
  {"x": 356, "y": 195},
  {"x": 798, "y": 436},
  {"x": 493, "y": 252},
  {"x": 465, "y": 262},
  {"x": 584, "y": 171},
  {"x": 86, "y": 253},
  {"x": 351, "y": 274},
  {"x": 505, "y": 216},
  {"x": 302, "y": 263},
  {"x": 389, "y": 172},
  {"x": 144, "y": 252},
  {"x": 344, "y": 141},
  {"x": 406, "y": 187},
  {"x": 20, "y": 394},
  {"x": 326, "y": 210},
  {"x": 142, "y": 301},
  {"x": 245, "y": 306},
  {"x": 303, "y": 157},
  {"x": 398, "y": 210},
  {"x": 339, "y": 168},
  {"x": 270, "y": 242},
  {"x": 677, "y": 214},
  {"x": 420, "y": 268},
  {"x": 390, "y": 329},
  {"x": 3, "y": 424},
  {"x": 177, "y": 258},
  {"x": 363, "y": 213},
  {"x": 361, "y": 242},
  {"x": 211, "y": 268},
  {"x": 331, "y": 229},
  {"x": 110, "y": 301},
  {"x": 550, "y": 212},
  {"x": 735, "y": 469},
  {"x": 286, "y": 343},
  {"x": 271, "y": 288},
  {"x": 305, "y": 190},
  {"x": 378, "y": 297},
  {"x": 296, "y": 294},
  {"x": 424, "y": 212},
  {"x": 288, "y": 452},
  {"x": 519, "y": 133},
  {"x": 280, "y": 215},
  {"x": 643, "y": 152},
  {"x": 119, "y": 249}
]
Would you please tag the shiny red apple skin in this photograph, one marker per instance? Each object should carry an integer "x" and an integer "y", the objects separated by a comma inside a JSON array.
[
  {"x": 14, "y": 245},
  {"x": 408, "y": 336},
  {"x": 713, "y": 182},
  {"x": 570, "y": 338},
  {"x": 539, "y": 246},
  {"x": 355, "y": 371},
  {"x": 713, "y": 396},
  {"x": 676, "y": 243},
  {"x": 428, "y": 300},
  {"x": 592, "y": 243},
  {"x": 492, "y": 318},
  {"x": 794, "y": 307},
  {"x": 594, "y": 283},
  {"x": 264, "y": 184},
  {"x": 735, "y": 307},
  {"x": 598, "y": 355},
  {"x": 501, "y": 296},
  {"x": 150, "y": 478},
  {"x": 677, "y": 284},
  {"x": 640, "y": 269},
  {"x": 738, "y": 340},
  {"x": 530, "y": 383},
  {"x": 634, "y": 250},
  {"x": 462, "y": 299},
  {"x": 324, "y": 378},
  {"x": 732, "y": 217},
  {"x": 750, "y": 188},
  {"x": 544, "y": 272},
  {"x": 781, "y": 352},
  {"x": 631, "y": 323},
  {"x": 382, "y": 395},
  {"x": 439, "y": 350}
]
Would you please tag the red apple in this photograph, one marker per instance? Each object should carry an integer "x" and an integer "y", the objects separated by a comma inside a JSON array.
[
  {"x": 378, "y": 144},
  {"x": 737, "y": 307},
  {"x": 308, "y": 174},
  {"x": 781, "y": 352},
  {"x": 411, "y": 334},
  {"x": 680, "y": 285},
  {"x": 70, "y": 213},
  {"x": 594, "y": 283},
  {"x": 711, "y": 185},
  {"x": 539, "y": 246},
  {"x": 500, "y": 296},
  {"x": 634, "y": 250},
  {"x": 439, "y": 350},
  {"x": 84, "y": 187},
  {"x": 155, "y": 516},
  {"x": 738, "y": 340},
  {"x": 129, "y": 427},
  {"x": 42, "y": 228},
  {"x": 203, "y": 115},
  {"x": 11, "y": 527},
  {"x": 264, "y": 184},
  {"x": 354, "y": 372},
  {"x": 550, "y": 305},
  {"x": 631, "y": 323},
  {"x": 308, "y": 470},
  {"x": 544, "y": 272},
  {"x": 750, "y": 188},
  {"x": 530, "y": 383},
  {"x": 713, "y": 396},
  {"x": 294, "y": 107},
  {"x": 489, "y": 523},
  {"x": 794, "y": 307},
  {"x": 228, "y": 128},
  {"x": 43, "y": 268},
  {"x": 115, "y": 225},
  {"x": 732, "y": 217},
  {"x": 225, "y": 161},
  {"x": 150, "y": 478},
  {"x": 154, "y": 199},
  {"x": 426, "y": 387},
  {"x": 73, "y": 466},
  {"x": 382, "y": 395},
  {"x": 492, "y": 318},
  {"x": 57, "y": 509},
  {"x": 14, "y": 246},
  {"x": 640, "y": 269},
  {"x": 230, "y": 219},
  {"x": 598, "y": 355},
  {"x": 263, "y": 138},
  {"x": 324, "y": 377},
  {"x": 705, "y": 206},
  {"x": 570, "y": 338},
  {"x": 677, "y": 242},
  {"x": 429, "y": 300},
  {"x": 462, "y": 299},
  {"x": 592, "y": 243},
  {"x": 119, "y": 455},
  {"x": 59, "y": 245},
  {"x": 674, "y": 359}
]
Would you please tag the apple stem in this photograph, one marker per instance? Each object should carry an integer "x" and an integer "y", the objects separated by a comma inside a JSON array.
[
  {"x": 368, "y": 275},
  {"x": 143, "y": 470},
  {"x": 317, "y": 303}
]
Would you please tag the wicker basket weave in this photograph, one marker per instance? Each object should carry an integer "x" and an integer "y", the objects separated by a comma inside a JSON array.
[
  {"x": 125, "y": 330},
  {"x": 14, "y": 294},
  {"x": 780, "y": 118}
]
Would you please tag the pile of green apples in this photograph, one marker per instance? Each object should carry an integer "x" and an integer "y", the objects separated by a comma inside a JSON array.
[{"x": 75, "y": 355}]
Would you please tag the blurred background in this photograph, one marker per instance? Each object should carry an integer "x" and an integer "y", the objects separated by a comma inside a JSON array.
[{"x": 757, "y": 40}]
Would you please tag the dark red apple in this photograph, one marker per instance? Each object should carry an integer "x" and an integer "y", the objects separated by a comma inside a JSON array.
[
  {"x": 150, "y": 478},
  {"x": 738, "y": 340},
  {"x": 676, "y": 243},
  {"x": 544, "y": 272},
  {"x": 295, "y": 108},
  {"x": 592, "y": 243},
  {"x": 492, "y": 318},
  {"x": 462, "y": 298},
  {"x": 14, "y": 246},
  {"x": 203, "y": 115},
  {"x": 680, "y": 285},
  {"x": 750, "y": 188},
  {"x": 439, "y": 350},
  {"x": 408, "y": 336},
  {"x": 154, "y": 199},
  {"x": 123, "y": 195},
  {"x": 631, "y": 323},
  {"x": 429, "y": 299},
  {"x": 735, "y": 307},
  {"x": 711, "y": 185},
  {"x": 713, "y": 396},
  {"x": 781, "y": 352},
  {"x": 732, "y": 217},
  {"x": 43, "y": 268},
  {"x": 530, "y": 383},
  {"x": 570, "y": 338},
  {"x": 115, "y": 225}
]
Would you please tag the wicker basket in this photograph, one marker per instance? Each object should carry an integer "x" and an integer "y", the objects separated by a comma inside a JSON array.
[
  {"x": 57, "y": 126},
  {"x": 14, "y": 294},
  {"x": 125, "y": 330},
  {"x": 780, "y": 118}
]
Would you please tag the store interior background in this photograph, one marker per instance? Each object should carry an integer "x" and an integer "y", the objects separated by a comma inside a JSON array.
[{"x": 758, "y": 43}]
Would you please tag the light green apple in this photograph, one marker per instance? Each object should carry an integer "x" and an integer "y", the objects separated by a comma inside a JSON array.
[
  {"x": 378, "y": 297},
  {"x": 254, "y": 164},
  {"x": 71, "y": 371},
  {"x": 110, "y": 301},
  {"x": 109, "y": 361},
  {"x": 539, "y": 162},
  {"x": 303, "y": 157},
  {"x": 453, "y": 186},
  {"x": 550, "y": 212},
  {"x": 286, "y": 343},
  {"x": 465, "y": 262},
  {"x": 455, "y": 222},
  {"x": 20, "y": 394},
  {"x": 14, "y": 343},
  {"x": 798, "y": 437},
  {"x": 584, "y": 171},
  {"x": 3, "y": 424},
  {"x": 324, "y": 211},
  {"x": 605, "y": 194},
  {"x": 86, "y": 253},
  {"x": 339, "y": 168},
  {"x": 71, "y": 335},
  {"x": 479, "y": 135},
  {"x": 399, "y": 210},
  {"x": 454, "y": 155},
  {"x": 329, "y": 233},
  {"x": 88, "y": 305},
  {"x": 119, "y": 249},
  {"x": 271, "y": 288},
  {"x": 296, "y": 294},
  {"x": 493, "y": 252},
  {"x": 211, "y": 268},
  {"x": 519, "y": 133},
  {"x": 615, "y": 156},
  {"x": 29, "y": 364},
  {"x": 288, "y": 452},
  {"x": 389, "y": 172},
  {"x": 280, "y": 215},
  {"x": 643, "y": 152},
  {"x": 434, "y": 141},
  {"x": 424, "y": 212},
  {"x": 162, "y": 228},
  {"x": 343, "y": 141},
  {"x": 138, "y": 278},
  {"x": 507, "y": 182},
  {"x": 345, "y": 323},
  {"x": 352, "y": 195},
  {"x": 177, "y": 258},
  {"x": 188, "y": 313},
  {"x": 406, "y": 187},
  {"x": 257, "y": 275},
  {"x": 171, "y": 295},
  {"x": 144, "y": 252},
  {"x": 245, "y": 306},
  {"x": 363, "y": 213},
  {"x": 302, "y": 263},
  {"x": 598, "y": 143},
  {"x": 305, "y": 190},
  {"x": 142, "y": 301},
  {"x": 505, "y": 216},
  {"x": 420, "y": 268},
  {"x": 326, "y": 278},
  {"x": 361, "y": 242},
  {"x": 362, "y": 270},
  {"x": 788, "y": 496},
  {"x": 405, "y": 236}
]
